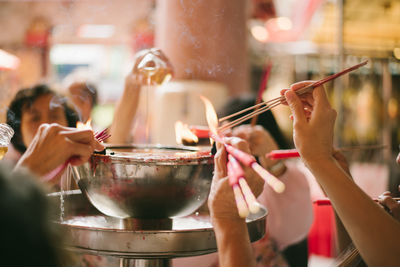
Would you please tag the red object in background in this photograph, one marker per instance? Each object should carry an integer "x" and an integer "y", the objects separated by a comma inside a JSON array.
[
  {"x": 283, "y": 154},
  {"x": 321, "y": 238},
  {"x": 200, "y": 131},
  {"x": 143, "y": 40}
]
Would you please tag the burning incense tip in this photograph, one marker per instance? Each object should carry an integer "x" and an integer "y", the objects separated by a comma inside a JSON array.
[
  {"x": 240, "y": 202},
  {"x": 251, "y": 200}
]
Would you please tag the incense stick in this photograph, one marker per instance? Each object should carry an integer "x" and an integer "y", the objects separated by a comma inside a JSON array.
[
  {"x": 327, "y": 201},
  {"x": 249, "y": 197},
  {"x": 241, "y": 205},
  {"x": 294, "y": 153},
  {"x": 279, "y": 100}
]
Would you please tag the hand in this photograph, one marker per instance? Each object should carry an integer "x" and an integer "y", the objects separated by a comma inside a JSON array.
[
  {"x": 313, "y": 123},
  {"x": 221, "y": 201},
  {"x": 260, "y": 141},
  {"x": 54, "y": 144},
  {"x": 390, "y": 204}
]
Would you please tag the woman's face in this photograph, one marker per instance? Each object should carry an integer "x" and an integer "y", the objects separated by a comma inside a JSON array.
[{"x": 45, "y": 109}]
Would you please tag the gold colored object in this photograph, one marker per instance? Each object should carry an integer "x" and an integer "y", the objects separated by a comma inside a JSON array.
[
  {"x": 6, "y": 133},
  {"x": 3, "y": 151},
  {"x": 154, "y": 66}
]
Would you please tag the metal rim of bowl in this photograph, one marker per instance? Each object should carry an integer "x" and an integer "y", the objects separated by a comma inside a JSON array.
[{"x": 201, "y": 159}]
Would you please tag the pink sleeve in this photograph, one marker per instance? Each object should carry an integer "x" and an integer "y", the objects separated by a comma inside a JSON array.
[{"x": 290, "y": 213}]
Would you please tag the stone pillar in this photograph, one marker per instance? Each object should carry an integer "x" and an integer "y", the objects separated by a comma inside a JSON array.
[{"x": 205, "y": 40}]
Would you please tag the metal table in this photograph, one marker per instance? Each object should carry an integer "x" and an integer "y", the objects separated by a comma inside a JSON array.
[{"x": 135, "y": 242}]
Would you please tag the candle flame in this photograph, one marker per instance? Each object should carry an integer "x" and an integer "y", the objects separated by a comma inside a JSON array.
[
  {"x": 86, "y": 125},
  {"x": 182, "y": 132},
  {"x": 211, "y": 115}
]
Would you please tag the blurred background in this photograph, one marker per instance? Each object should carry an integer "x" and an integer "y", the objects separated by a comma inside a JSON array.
[{"x": 235, "y": 46}]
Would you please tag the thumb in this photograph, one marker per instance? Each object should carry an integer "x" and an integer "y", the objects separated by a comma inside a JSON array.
[{"x": 296, "y": 106}]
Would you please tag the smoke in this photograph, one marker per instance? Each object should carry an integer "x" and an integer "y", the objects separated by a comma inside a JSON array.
[{"x": 57, "y": 102}]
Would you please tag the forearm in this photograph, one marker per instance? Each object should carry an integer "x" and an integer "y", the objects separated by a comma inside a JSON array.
[
  {"x": 374, "y": 232},
  {"x": 234, "y": 248},
  {"x": 123, "y": 116}
]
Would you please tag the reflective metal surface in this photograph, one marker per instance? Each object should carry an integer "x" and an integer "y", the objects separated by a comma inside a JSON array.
[
  {"x": 146, "y": 181},
  {"x": 131, "y": 238}
]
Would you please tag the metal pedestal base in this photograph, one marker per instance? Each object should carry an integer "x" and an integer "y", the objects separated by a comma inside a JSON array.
[
  {"x": 145, "y": 263},
  {"x": 143, "y": 243}
]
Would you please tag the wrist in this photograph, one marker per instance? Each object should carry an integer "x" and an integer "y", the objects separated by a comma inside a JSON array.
[
  {"x": 228, "y": 224},
  {"x": 318, "y": 162},
  {"x": 28, "y": 163}
]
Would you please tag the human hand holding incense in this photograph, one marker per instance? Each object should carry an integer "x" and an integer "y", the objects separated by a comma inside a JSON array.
[
  {"x": 54, "y": 144},
  {"x": 313, "y": 123},
  {"x": 221, "y": 201}
]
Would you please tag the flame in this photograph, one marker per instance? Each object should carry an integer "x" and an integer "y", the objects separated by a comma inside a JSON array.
[
  {"x": 211, "y": 115},
  {"x": 182, "y": 132},
  {"x": 86, "y": 125}
]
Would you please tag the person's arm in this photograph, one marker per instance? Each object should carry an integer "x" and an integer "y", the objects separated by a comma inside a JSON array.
[
  {"x": 234, "y": 247},
  {"x": 375, "y": 233},
  {"x": 125, "y": 111}
]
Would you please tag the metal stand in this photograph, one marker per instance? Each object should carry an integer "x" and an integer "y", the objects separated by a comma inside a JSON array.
[
  {"x": 143, "y": 243},
  {"x": 145, "y": 263}
]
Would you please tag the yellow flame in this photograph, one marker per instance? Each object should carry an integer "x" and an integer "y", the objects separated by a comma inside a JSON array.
[
  {"x": 87, "y": 125},
  {"x": 211, "y": 115},
  {"x": 182, "y": 132}
]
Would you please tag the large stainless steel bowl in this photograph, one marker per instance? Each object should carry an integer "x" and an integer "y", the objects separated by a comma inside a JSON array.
[{"x": 146, "y": 181}]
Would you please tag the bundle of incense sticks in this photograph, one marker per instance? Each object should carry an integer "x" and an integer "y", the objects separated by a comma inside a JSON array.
[
  {"x": 245, "y": 199},
  {"x": 267, "y": 105},
  {"x": 293, "y": 153},
  {"x": 250, "y": 161},
  {"x": 101, "y": 136}
]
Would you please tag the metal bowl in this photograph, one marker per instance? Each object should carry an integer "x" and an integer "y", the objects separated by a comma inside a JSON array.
[{"x": 146, "y": 182}]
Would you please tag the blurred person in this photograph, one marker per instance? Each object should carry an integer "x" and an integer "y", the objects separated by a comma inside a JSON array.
[
  {"x": 34, "y": 106},
  {"x": 374, "y": 232},
  {"x": 84, "y": 97},
  {"x": 50, "y": 145},
  {"x": 28, "y": 236}
]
